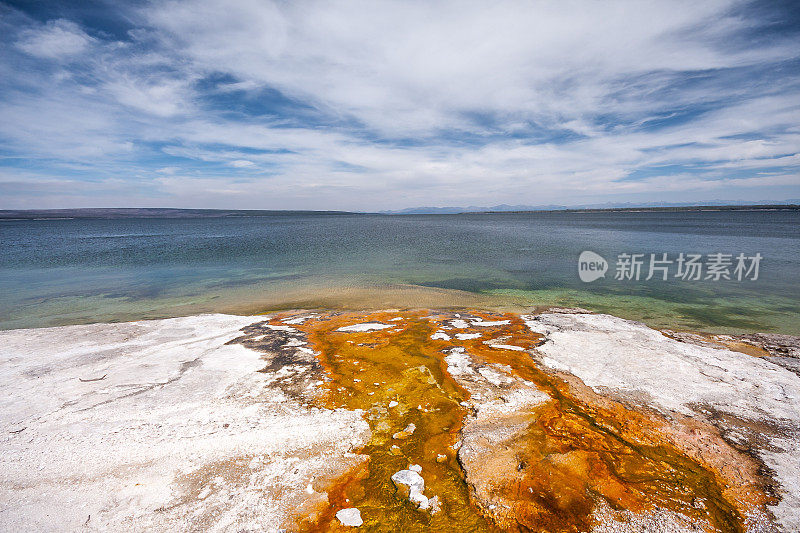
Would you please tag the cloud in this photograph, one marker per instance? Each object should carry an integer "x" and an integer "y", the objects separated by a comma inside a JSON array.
[
  {"x": 163, "y": 98},
  {"x": 416, "y": 68},
  {"x": 389, "y": 104},
  {"x": 57, "y": 39}
]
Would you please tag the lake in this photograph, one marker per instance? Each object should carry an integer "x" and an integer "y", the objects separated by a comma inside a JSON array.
[{"x": 55, "y": 272}]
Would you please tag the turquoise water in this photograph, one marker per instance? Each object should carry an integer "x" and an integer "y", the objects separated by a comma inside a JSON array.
[{"x": 56, "y": 272}]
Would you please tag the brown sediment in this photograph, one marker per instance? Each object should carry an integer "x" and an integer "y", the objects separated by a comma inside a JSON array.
[
  {"x": 570, "y": 454},
  {"x": 712, "y": 340},
  {"x": 258, "y": 299}
]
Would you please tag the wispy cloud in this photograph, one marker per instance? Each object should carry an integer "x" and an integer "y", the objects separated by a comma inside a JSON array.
[
  {"x": 378, "y": 105},
  {"x": 57, "y": 39}
]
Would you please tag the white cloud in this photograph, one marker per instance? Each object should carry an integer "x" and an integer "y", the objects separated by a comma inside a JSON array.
[
  {"x": 444, "y": 102},
  {"x": 413, "y": 68},
  {"x": 57, "y": 39},
  {"x": 163, "y": 97}
]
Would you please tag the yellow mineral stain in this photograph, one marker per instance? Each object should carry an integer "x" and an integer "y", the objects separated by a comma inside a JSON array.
[
  {"x": 409, "y": 370},
  {"x": 572, "y": 455}
]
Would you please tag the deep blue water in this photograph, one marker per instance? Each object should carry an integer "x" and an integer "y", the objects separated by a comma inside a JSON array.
[{"x": 67, "y": 271}]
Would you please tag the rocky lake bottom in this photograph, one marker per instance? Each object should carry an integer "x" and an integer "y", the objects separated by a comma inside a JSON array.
[{"x": 415, "y": 420}]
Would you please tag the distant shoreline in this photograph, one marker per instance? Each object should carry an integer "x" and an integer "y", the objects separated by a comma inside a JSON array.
[
  {"x": 178, "y": 213},
  {"x": 766, "y": 207}
]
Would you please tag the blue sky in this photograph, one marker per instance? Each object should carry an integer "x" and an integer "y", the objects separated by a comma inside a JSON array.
[{"x": 385, "y": 105}]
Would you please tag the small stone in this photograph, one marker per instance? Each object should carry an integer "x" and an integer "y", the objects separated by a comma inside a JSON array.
[
  {"x": 393, "y": 404},
  {"x": 349, "y": 517},
  {"x": 407, "y": 432},
  {"x": 441, "y": 458},
  {"x": 395, "y": 449},
  {"x": 410, "y": 484},
  {"x": 409, "y": 480},
  {"x": 435, "y": 506}
]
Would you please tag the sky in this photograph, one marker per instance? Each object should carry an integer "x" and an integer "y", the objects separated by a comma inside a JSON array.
[{"x": 381, "y": 105}]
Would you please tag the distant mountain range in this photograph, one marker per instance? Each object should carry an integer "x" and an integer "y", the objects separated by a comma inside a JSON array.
[
  {"x": 152, "y": 212},
  {"x": 505, "y": 208}
]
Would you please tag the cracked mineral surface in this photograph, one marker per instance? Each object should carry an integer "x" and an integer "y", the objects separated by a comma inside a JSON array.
[{"x": 562, "y": 421}]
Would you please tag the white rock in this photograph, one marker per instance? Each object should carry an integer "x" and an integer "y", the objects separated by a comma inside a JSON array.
[
  {"x": 494, "y": 376},
  {"x": 467, "y": 336},
  {"x": 507, "y": 347},
  {"x": 409, "y": 479},
  {"x": 420, "y": 500},
  {"x": 490, "y": 323},
  {"x": 281, "y": 328},
  {"x": 435, "y": 506},
  {"x": 300, "y": 319},
  {"x": 393, "y": 404},
  {"x": 440, "y": 335},
  {"x": 458, "y": 362},
  {"x": 350, "y": 517},
  {"x": 366, "y": 326}
]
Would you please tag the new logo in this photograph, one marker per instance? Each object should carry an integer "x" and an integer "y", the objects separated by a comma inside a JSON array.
[{"x": 591, "y": 266}]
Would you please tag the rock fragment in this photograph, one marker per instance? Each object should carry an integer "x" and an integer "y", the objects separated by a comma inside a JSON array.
[
  {"x": 407, "y": 432},
  {"x": 360, "y": 328},
  {"x": 408, "y": 480},
  {"x": 350, "y": 517},
  {"x": 411, "y": 484}
]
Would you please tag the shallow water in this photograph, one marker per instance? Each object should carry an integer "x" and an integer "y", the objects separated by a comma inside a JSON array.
[{"x": 56, "y": 272}]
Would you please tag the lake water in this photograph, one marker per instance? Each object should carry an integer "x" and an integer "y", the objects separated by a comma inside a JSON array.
[{"x": 55, "y": 272}]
